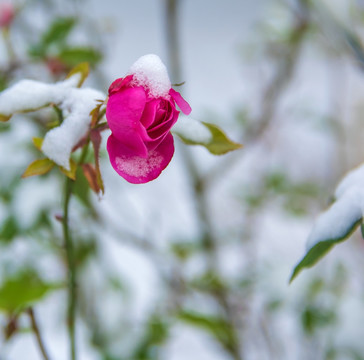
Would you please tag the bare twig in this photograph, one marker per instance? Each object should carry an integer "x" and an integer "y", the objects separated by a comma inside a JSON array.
[{"x": 37, "y": 333}]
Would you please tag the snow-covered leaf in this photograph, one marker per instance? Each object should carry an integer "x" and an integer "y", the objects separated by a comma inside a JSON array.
[
  {"x": 30, "y": 95},
  {"x": 38, "y": 167},
  {"x": 75, "y": 104},
  {"x": 337, "y": 223},
  {"x": 320, "y": 249},
  {"x": 193, "y": 132}
]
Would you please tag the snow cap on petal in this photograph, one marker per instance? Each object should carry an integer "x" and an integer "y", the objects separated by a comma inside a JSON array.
[{"x": 150, "y": 72}]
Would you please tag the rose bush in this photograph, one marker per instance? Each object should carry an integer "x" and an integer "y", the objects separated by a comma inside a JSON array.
[{"x": 140, "y": 116}]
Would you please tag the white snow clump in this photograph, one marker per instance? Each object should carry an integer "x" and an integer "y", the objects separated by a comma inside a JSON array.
[
  {"x": 76, "y": 104},
  {"x": 28, "y": 95},
  {"x": 347, "y": 210},
  {"x": 193, "y": 130},
  {"x": 150, "y": 72},
  {"x": 59, "y": 142}
]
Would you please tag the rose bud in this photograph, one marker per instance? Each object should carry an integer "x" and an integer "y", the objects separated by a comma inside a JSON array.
[
  {"x": 141, "y": 111},
  {"x": 7, "y": 14}
]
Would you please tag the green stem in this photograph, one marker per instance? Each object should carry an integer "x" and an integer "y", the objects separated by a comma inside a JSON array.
[
  {"x": 71, "y": 269},
  {"x": 8, "y": 46},
  {"x": 84, "y": 152}
]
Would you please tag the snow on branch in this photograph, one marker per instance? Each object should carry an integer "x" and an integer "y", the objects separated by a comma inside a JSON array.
[{"x": 75, "y": 103}]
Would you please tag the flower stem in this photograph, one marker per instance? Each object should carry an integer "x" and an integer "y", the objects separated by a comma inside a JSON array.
[
  {"x": 8, "y": 46},
  {"x": 71, "y": 269},
  {"x": 36, "y": 331}
]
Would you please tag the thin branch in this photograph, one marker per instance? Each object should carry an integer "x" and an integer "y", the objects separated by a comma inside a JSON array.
[
  {"x": 37, "y": 333},
  {"x": 200, "y": 193}
]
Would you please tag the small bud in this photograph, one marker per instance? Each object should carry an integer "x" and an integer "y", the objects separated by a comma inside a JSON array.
[{"x": 7, "y": 14}]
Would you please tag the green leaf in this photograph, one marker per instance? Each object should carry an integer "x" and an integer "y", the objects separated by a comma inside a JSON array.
[
  {"x": 217, "y": 144},
  {"x": 314, "y": 317},
  {"x": 56, "y": 34},
  {"x": 74, "y": 56},
  {"x": 209, "y": 282},
  {"x": 9, "y": 230},
  {"x": 156, "y": 333},
  {"x": 216, "y": 326},
  {"x": 38, "y": 142},
  {"x": 4, "y": 118},
  {"x": 4, "y": 127},
  {"x": 83, "y": 69},
  {"x": 320, "y": 249},
  {"x": 23, "y": 289},
  {"x": 58, "y": 30},
  {"x": 38, "y": 167}
]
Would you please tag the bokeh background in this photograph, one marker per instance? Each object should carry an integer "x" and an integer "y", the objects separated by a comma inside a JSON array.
[{"x": 196, "y": 263}]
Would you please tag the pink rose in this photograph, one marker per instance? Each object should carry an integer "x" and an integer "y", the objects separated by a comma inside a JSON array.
[
  {"x": 7, "y": 14},
  {"x": 141, "y": 112}
]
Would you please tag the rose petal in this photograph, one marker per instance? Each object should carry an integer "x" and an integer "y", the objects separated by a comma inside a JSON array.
[
  {"x": 123, "y": 112},
  {"x": 157, "y": 131},
  {"x": 119, "y": 83},
  {"x": 180, "y": 101},
  {"x": 149, "y": 113},
  {"x": 136, "y": 169}
]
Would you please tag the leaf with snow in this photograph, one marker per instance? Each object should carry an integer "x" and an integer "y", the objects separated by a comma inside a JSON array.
[
  {"x": 76, "y": 105},
  {"x": 193, "y": 132},
  {"x": 59, "y": 142},
  {"x": 31, "y": 95},
  {"x": 337, "y": 223}
]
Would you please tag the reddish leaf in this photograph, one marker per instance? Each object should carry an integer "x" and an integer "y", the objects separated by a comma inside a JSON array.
[{"x": 90, "y": 174}]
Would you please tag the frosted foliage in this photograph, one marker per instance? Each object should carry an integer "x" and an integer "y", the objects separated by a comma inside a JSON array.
[
  {"x": 193, "y": 130},
  {"x": 335, "y": 222},
  {"x": 354, "y": 178},
  {"x": 28, "y": 95},
  {"x": 58, "y": 142},
  {"x": 348, "y": 208},
  {"x": 150, "y": 72}
]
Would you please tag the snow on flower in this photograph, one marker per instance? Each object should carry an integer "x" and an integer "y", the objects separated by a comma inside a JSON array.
[{"x": 141, "y": 111}]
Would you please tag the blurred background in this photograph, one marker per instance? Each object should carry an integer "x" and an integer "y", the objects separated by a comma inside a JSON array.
[{"x": 194, "y": 265}]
